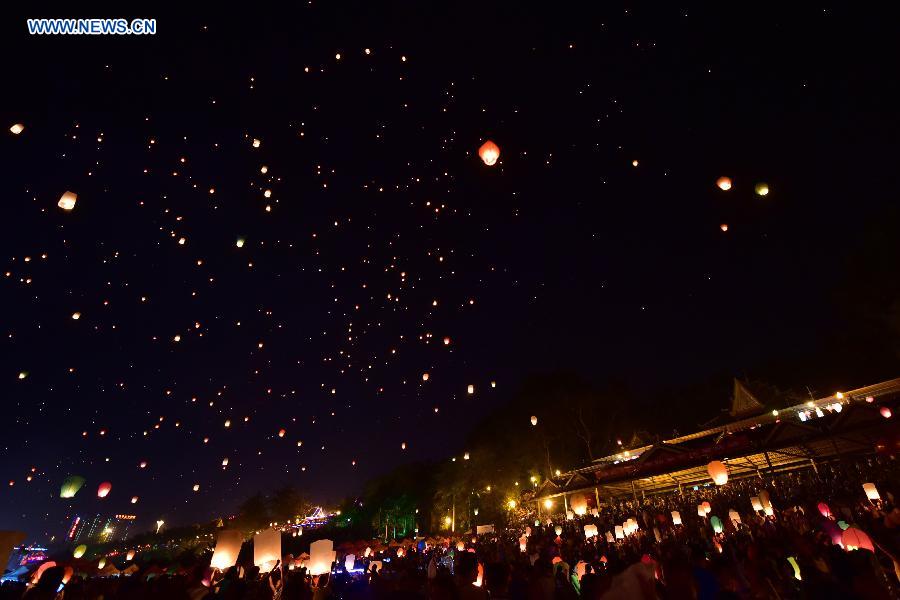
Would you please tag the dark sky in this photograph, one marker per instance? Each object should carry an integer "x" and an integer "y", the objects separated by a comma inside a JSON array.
[{"x": 562, "y": 256}]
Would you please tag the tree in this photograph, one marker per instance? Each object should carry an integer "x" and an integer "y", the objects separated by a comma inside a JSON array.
[{"x": 253, "y": 513}]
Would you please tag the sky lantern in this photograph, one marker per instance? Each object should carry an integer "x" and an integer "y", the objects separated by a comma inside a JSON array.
[
  {"x": 856, "y": 539},
  {"x": 761, "y": 189},
  {"x": 718, "y": 472},
  {"x": 79, "y": 551},
  {"x": 533, "y": 420},
  {"x": 130, "y": 555},
  {"x": 716, "y": 523},
  {"x": 143, "y": 464},
  {"x": 225, "y": 462},
  {"x": 403, "y": 446},
  {"x": 70, "y": 486},
  {"x": 425, "y": 376},
  {"x": 228, "y": 545},
  {"x": 489, "y": 152},
  {"x": 256, "y": 143},
  {"x": 824, "y": 510},
  {"x": 17, "y": 129},
  {"x": 724, "y": 226},
  {"x": 67, "y": 200},
  {"x": 676, "y": 517},
  {"x": 885, "y": 412},
  {"x": 196, "y": 487},
  {"x": 101, "y": 563},
  {"x": 281, "y": 432},
  {"x": 239, "y": 242},
  {"x": 723, "y": 183},
  {"x": 871, "y": 491},
  {"x": 470, "y": 389},
  {"x": 134, "y": 499},
  {"x": 103, "y": 489}
]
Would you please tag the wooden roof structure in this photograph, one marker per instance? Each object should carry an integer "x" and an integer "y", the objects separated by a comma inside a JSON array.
[{"x": 782, "y": 440}]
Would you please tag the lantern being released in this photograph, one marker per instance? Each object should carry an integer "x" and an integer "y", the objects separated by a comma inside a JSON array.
[
  {"x": 489, "y": 153},
  {"x": 103, "y": 490},
  {"x": 267, "y": 549},
  {"x": 67, "y": 201},
  {"x": 718, "y": 472},
  {"x": 321, "y": 555},
  {"x": 871, "y": 491},
  {"x": 676, "y": 517},
  {"x": 856, "y": 539},
  {"x": 228, "y": 545}
]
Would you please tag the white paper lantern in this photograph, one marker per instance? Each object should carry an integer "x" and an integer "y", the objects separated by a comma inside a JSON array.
[
  {"x": 321, "y": 555},
  {"x": 676, "y": 517},
  {"x": 67, "y": 200},
  {"x": 266, "y": 549},
  {"x": 228, "y": 546}
]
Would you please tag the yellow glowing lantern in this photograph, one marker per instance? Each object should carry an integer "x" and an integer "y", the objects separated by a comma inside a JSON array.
[
  {"x": 511, "y": 504},
  {"x": 718, "y": 472},
  {"x": 871, "y": 491},
  {"x": 761, "y": 189},
  {"x": 228, "y": 545},
  {"x": 67, "y": 201},
  {"x": 489, "y": 152},
  {"x": 239, "y": 242},
  {"x": 256, "y": 143},
  {"x": 79, "y": 551},
  {"x": 281, "y": 433},
  {"x": 101, "y": 563},
  {"x": 723, "y": 183},
  {"x": 558, "y": 530},
  {"x": 676, "y": 517},
  {"x": 460, "y": 546}
]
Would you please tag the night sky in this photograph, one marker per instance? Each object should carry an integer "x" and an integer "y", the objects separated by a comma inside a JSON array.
[{"x": 376, "y": 247}]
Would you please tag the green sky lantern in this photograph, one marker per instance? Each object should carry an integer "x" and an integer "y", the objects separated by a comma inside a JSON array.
[{"x": 71, "y": 486}]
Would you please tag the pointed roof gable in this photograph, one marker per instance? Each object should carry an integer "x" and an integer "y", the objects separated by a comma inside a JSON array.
[{"x": 744, "y": 403}]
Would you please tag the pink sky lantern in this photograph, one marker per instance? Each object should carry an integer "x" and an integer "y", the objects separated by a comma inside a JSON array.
[
  {"x": 103, "y": 490},
  {"x": 885, "y": 412},
  {"x": 824, "y": 510}
]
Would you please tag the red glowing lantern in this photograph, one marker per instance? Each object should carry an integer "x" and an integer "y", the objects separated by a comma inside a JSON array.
[
  {"x": 104, "y": 489},
  {"x": 824, "y": 510},
  {"x": 885, "y": 412},
  {"x": 718, "y": 472},
  {"x": 856, "y": 539},
  {"x": 489, "y": 153}
]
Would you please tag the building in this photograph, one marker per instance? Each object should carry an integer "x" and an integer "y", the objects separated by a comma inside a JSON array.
[
  {"x": 753, "y": 443},
  {"x": 99, "y": 528}
]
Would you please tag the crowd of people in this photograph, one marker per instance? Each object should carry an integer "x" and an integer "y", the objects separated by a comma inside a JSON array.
[{"x": 792, "y": 549}]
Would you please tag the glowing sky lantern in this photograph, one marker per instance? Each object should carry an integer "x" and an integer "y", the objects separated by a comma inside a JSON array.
[
  {"x": 523, "y": 543},
  {"x": 403, "y": 446},
  {"x": 489, "y": 152},
  {"x": 281, "y": 433},
  {"x": 67, "y": 201},
  {"x": 228, "y": 545},
  {"x": 885, "y": 412},
  {"x": 425, "y": 376},
  {"x": 724, "y": 226},
  {"x": 256, "y": 143},
  {"x": 70, "y": 486},
  {"x": 718, "y": 472},
  {"x": 460, "y": 546},
  {"x": 824, "y": 510},
  {"x": 676, "y": 517},
  {"x": 196, "y": 487},
  {"x": 716, "y": 523},
  {"x": 871, "y": 491},
  {"x": 225, "y": 462},
  {"x": 267, "y": 549},
  {"x": 103, "y": 489},
  {"x": 130, "y": 555},
  {"x": 17, "y": 129},
  {"x": 706, "y": 507},
  {"x": 761, "y": 189},
  {"x": 321, "y": 555},
  {"x": 533, "y": 420},
  {"x": 134, "y": 499},
  {"x": 79, "y": 551},
  {"x": 723, "y": 183},
  {"x": 239, "y": 242},
  {"x": 101, "y": 563},
  {"x": 856, "y": 539}
]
